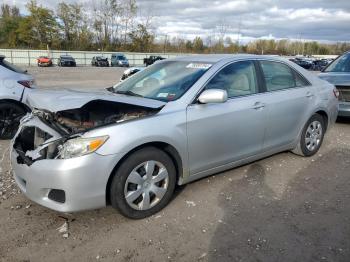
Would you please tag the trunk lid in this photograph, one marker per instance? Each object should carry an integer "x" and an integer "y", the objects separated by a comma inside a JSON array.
[{"x": 342, "y": 83}]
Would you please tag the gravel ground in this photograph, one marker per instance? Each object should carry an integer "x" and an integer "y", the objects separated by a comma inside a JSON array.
[{"x": 282, "y": 208}]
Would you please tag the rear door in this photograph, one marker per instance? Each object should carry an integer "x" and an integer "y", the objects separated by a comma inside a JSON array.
[
  {"x": 222, "y": 133},
  {"x": 289, "y": 100}
]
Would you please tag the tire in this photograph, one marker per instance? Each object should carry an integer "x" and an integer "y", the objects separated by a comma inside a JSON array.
[
  {"x": 311, "y": 137},
  {"x": 134, "y": 168},
  {"x": 10, "y": 116}
]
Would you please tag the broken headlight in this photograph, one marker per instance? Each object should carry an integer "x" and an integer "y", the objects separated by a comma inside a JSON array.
[{"x": 80, "y": 146}]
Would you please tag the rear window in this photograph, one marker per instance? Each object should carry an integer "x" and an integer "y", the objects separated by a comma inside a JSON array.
[
  {"x": 12, "y": 67},
  {"x": 279, "y": 76}
]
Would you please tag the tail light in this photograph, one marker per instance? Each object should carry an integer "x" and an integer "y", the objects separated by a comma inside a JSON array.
[
  {"x": 26, "y": 83},
  {"x": 336, "y": 92}
]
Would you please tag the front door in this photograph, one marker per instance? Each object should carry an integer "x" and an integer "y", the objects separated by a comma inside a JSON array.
[{"x": 222, "y": 133}]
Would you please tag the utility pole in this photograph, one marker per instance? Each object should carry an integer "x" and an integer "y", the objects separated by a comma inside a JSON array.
[{"x": 239, "y": 34}]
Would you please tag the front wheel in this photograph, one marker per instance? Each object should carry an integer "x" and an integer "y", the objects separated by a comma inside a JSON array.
[
  {"x": 143, "y": 184},
  {"x": 10, "y": 116},
  {"x": 311, "y": 137}
]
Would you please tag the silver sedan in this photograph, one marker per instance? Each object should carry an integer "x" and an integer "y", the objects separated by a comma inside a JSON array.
[
  {"x": 175, "y": 122},
  {"x": 338, "y": 74}
]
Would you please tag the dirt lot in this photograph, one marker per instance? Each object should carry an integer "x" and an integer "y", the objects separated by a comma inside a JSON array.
[{"x": 282, "y": 208}]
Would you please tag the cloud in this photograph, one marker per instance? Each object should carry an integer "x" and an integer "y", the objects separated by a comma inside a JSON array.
[{"x": 321, "y": 20}]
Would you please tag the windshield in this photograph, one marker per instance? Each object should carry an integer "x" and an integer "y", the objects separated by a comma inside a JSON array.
[
  {"x": 12, "y": 67},
  {"x": 341, "y": 64},
  {"x": 165, "y": 81},
  {"x": 120, "y": 57},
  {"x": 67, "y": 57}
]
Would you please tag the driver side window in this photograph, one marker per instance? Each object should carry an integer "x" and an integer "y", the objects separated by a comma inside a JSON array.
[{"x": 238, "y": 79}]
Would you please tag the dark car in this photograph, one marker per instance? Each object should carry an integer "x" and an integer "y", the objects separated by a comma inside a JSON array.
[
  {"x": 152, "y": 59},
  {"x": 338, "y": 74},
  {"x": 99, "y": 61},
  {"x": 304, "y": 63},
  {"x": 66, "y": 60},
  {"x": 320, "y": 64}
]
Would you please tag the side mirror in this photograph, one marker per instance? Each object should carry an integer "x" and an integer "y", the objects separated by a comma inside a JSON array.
[{"x": 213, "y": 96}]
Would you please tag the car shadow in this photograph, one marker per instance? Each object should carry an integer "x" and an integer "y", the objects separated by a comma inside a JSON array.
[
  {"x": 308, "y": 222},
  {"x": 343, "y": 120}
]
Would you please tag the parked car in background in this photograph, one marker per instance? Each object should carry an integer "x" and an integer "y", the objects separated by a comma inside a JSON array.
[
  {"x": 320, "y": 64},
  {"x": 44, "y": 61},
  {"x": 66, "y": 60},
  {"x": 338, "y": 73},
  {"x": 177, "y": 121},
  {"x": 119, "y": 60},
  {"x": 130, "y": 71},
  {"x": 152, "y": 59},
  {"x": 100, "y": 61},
  {"x": 15, "y": 83},
  {"x": 304, "y": 63}
]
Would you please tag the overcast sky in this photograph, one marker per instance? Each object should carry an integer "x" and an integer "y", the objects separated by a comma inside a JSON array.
[{"x": 325, "y": 20}]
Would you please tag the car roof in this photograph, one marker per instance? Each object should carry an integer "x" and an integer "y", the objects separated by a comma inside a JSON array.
[{"x": 215, "y": 58}]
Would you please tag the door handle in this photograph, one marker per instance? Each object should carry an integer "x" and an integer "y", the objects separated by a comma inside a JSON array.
[
  {"x": 309, "y": 94},
  {"x": 258, "y": 105}
]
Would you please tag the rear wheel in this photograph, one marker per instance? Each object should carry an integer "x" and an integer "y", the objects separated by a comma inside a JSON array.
[
  {"x": 10, "y": 116},
  {"x": 143, "y": 184},
  {"x": 311, "y": 137}
]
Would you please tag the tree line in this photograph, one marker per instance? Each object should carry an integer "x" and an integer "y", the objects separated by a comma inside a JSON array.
[{"x": 111, "y": 25}]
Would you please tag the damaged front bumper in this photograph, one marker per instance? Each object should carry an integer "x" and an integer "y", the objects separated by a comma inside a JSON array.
[{"x": 65, "y": 185}]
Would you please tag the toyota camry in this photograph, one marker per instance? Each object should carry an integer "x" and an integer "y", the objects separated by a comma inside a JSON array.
[{"x": 177, "y": 121}]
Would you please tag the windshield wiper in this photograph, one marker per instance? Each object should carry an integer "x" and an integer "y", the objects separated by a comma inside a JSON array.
[{"x": 128, "y": 93}]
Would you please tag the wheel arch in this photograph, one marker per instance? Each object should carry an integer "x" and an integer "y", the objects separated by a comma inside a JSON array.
[
  {"x": 325, "y": 117},
  {"x": 170, "y": 150},
  {"x": 18, "y": 103}
]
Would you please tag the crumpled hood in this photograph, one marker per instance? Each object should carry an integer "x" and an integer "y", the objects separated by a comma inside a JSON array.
[
  {"x": 60, "y": 100},
  {"x": 341, "y": 79}
]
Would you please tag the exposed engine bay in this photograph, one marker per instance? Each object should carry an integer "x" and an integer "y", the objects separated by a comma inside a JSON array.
[
  {"x": 35, "y": 143},
  {"x": 92, "y": 115}
]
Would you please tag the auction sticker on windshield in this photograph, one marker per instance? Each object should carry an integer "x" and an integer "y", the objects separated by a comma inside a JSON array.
[{"x": 198, "y": 66}]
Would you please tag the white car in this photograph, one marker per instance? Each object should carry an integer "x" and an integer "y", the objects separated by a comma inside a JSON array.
[
  {"x": 130, "y": 71},
  {"x": 15, "y": 83}
]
